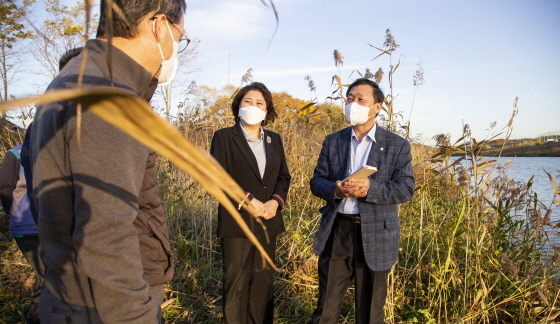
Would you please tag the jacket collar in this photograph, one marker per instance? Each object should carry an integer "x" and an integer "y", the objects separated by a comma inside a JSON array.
[
  {"x": 123, "y": 68},
  {"x": 375, "y": 154},
  {"x": 378, "y": 148},
  {"x": 381, "y": 135},
  {"x": 343, "y": 145}
]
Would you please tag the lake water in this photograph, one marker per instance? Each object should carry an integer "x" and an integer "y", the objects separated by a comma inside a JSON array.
[{"x": 523, "y": 168}]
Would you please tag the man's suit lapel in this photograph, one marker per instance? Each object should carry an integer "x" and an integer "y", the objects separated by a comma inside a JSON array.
[
  {"x": 241, "y": 142},
  {"x": 377, "y": 148},
  {"x": 343, "y": 147}
]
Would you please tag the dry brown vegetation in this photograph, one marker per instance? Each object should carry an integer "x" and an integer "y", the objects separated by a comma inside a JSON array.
[
  {"x": 474, "y": 249},
  {"x": 475, "y": 246},
  {"x": 464, "y": 258}
]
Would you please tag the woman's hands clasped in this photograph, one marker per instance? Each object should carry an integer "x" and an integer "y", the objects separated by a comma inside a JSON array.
[
  {"x": 266, "y": 210},
  {"x": 270, "y": 209}
]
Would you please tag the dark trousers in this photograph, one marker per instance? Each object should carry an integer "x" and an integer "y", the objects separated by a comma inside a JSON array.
[
  {"x": 247, "y": 283},
  {"x": 54, "y": 310},
  {"x": 29, "y": 246},
  {"x": 341, "y": 261}
]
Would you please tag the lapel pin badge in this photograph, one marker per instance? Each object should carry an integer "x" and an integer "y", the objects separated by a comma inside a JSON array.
[
  {"x": 268, "y": 139},
  {"x": 381, "y": 149}
]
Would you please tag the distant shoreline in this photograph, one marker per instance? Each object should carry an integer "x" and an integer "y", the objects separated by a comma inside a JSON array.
[{"x": 542, "y": 150}]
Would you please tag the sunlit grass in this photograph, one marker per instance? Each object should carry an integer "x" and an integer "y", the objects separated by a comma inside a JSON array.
[
  {"x": 473, "y": 246},
  {"x": 470, "y": 252}
]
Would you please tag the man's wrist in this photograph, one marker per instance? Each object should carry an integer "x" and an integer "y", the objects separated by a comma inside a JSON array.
[
  {"x": 336, "y": 196},
  {"x": 279, "y": 200},
  {"x": 246, "y": 200}
]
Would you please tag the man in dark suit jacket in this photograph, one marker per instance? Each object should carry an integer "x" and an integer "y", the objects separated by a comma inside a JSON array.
[{"x": 360, "y": 230}]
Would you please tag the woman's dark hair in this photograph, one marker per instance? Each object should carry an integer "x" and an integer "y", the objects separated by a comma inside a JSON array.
[
  {"x": 136, "y": 10},
  {"x": 256, "y": 86},
  {"x": 377, "y": 93}
]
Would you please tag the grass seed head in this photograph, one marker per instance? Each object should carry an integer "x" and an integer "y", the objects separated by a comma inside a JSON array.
[
  {"x": 418, "y": 78},
  {"x": 310, "y": 83},
  {"x": 390, "y": 42},
  {"x": 338, "y": 58},
  {"x": 378, "y": 75}
]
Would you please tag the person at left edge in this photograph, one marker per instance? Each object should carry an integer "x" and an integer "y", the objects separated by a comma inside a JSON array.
[
  {"x": 16, "y": 194},
  {"x": 25, "y": 149},
  {"x": 101, "y": 223},
  {"x": 16, "y": 204},
  {"x": 255, "y": 159}
]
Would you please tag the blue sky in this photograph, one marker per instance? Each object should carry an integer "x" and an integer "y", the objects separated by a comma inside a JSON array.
[{"x": 478, "y": 56}]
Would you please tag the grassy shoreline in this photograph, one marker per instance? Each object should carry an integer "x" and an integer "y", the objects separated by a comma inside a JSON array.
[{"x": 542, "y": 150}]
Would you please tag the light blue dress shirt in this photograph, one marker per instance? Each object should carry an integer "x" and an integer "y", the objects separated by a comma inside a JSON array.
[{"x": 358, "y": 158}]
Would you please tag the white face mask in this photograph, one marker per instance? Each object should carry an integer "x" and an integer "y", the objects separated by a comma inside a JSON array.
[
  {"x": 168, "y": 67},
  {"x": 251, "y": 115},
  {"x": 357, "y": 114}
]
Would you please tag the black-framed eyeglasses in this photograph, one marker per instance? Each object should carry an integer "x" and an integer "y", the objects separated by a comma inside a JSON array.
[{"x": 184, "y": 41}]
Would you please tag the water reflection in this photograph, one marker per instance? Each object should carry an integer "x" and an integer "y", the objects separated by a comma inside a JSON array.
[{"x": 521, "y": 169}]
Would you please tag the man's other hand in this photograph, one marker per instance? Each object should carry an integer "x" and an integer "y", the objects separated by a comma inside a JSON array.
[{"x": 352, "y": 188}]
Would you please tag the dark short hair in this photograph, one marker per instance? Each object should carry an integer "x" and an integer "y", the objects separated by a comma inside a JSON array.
[
  {"x": 136, "y": 10},
  {"x": 378, "y": 95},
  {"x": 256, "y": 86},
  {"x": 67, "y": 56}
]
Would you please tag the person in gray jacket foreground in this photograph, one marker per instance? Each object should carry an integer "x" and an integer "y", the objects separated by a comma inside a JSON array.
[{"x": 101, "y": 224}]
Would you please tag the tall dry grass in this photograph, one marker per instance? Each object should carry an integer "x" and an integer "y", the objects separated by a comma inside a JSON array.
[
  {"x": 472, "y": 252},
  {"x": 474, "y": 243},
  {"x": 474, "y": 246}
]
